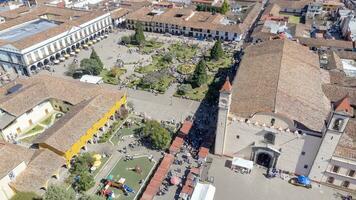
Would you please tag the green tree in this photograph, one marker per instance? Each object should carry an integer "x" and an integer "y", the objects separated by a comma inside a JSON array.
[
  {"x": 95, "y": 56},
  {"x": 200, "y": 76},
  {"x": 168, "y": 58},
  {"x": 84, "y": 182},
  {"x": 184, "y": 89},
  {"x": 91, "y": 197},
  {"x": 139, "y": 37},
  {"x": 57, "y": 192},
  {"x": 82, "y": 163},
  {"x": 217, "y": 51},
  {"x": 225, "y": 7},
  {"x": 91, "y": 65},
  {"x": 161, "y": 138},
  {"x": 158, "y": 135},
  {"x": 126, "y": 40}
]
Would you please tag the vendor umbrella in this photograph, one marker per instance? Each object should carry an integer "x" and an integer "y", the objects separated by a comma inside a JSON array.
[{"x": 175, "y": 180}]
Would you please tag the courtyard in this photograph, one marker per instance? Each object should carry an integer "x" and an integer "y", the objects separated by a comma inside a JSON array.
[
  {"x": 40, "y": 127},
  {"x": 134, "y": 179},
  {"x": 229, "y": 184},
  {"x": 161, "y": 63}
]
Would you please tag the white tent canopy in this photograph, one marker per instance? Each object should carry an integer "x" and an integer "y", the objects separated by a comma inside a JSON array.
[
  {"x": 91, "y": 79},
  {"x": 240, "y": 162},
  {"x": 203, "y": 192}
]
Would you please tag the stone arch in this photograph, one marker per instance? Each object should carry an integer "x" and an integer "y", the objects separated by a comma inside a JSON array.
[
  {"x": 39, "y": 64},
  {"x": 68, "y": 50},
  {"x": 33, "y": 67},
  {"x": 58, "y": 55},
  {"x": 52, "y": 58},
  {"x": 73, "y": 47},
  {"x": 78, "y": 45},
  {"x": 63, "y": 52},
  {"x": 46, "y": 61}
]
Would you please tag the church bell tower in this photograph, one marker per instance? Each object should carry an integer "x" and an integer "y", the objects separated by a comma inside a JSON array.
[{"x": 224, "y": 108}]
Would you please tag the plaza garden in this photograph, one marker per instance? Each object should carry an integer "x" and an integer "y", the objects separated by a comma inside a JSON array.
[{"x": 153, "y": 65}]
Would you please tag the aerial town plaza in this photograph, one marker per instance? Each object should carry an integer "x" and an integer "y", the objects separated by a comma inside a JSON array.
[{"x": 177, "y": 99}]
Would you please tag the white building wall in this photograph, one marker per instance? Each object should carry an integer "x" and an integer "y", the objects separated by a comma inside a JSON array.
[
  {"x": 37, "y": 114},
  {"x": 5, "y": 190},
  {"x": 241, "y": 137}
]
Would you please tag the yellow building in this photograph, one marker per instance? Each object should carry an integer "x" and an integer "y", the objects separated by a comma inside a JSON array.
[{"x": 88, "y": 110}]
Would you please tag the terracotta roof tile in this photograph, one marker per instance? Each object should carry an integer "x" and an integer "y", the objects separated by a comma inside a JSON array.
[{"x": 185, "y": 129}]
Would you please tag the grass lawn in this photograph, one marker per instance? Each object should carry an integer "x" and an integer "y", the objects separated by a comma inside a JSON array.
[
  {"x": 292, "y": 18},
  {"x": 29, "y": 139},
  {"x": 25, "y": 196},
  {"x": 183, "y": 51},
  {"x": 48, "y": 120},
  {"x": 158, "y": 81},
  {"x": 124, "y": 169},
  {"x": 126, "y": 131},
  {"x": 186, "y": 69},
  {"x": 198, "y": 93},
  {"x": 35, "y": 129},
  {"x": 156, "y": 65},
  {"x": 150, "y": 45},
  {"x": 108, "y": 78},
  {"x": 223, "y": 62}
]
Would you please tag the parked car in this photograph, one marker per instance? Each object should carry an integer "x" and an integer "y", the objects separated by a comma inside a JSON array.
[{"x": 303, "y": 181}]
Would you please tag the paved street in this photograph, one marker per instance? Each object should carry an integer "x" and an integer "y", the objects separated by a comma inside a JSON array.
[{"x": 231, "y": 186}]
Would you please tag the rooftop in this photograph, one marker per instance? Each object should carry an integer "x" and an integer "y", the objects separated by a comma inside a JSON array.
[
  {"x": 26, "y": 29},
  {"x": 29, "y": 27},
  {"x": 190, "y": 18},
  {"x": 11, "y": 156},
  {"x": 284, "y": 73},
  {"x": 90, "y": 103}
]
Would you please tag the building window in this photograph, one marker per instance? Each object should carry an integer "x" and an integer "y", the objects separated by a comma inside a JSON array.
[
  {"x": 345, "y": 184},
  {"x": 273, "y": 120},
  {"x": 335, "y": 169},
  {"x": 269, "y": 138},
  {"x": 46, "y": 111},
  {"x": 305, "y": 166},
  {"x": 337, "y": 124},
  {"x": 351, "y": 173},
  {"x": 330, "y": 180},
  {"x": 303, "y": 153},
  {"x": 30, "y": 122},
  {"x": 18, "y": 130}
]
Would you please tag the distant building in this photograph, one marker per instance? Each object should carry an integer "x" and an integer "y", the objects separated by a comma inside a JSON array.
[
  {"x": 348, "y": 27},
  {"x": 185, "y": 21},
  {"x": 51, "y": 35}
]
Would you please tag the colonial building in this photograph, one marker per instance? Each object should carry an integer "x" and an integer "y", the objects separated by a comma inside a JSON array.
[
  {"x": 88, "y": 110},
  {"x": 31, "y": 39},
  {"x": 277, "y": 114},
  {"x": 186, "y": 21}
]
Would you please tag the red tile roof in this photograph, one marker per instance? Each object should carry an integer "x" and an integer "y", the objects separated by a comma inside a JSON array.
[
  {"x": 203, "y": 152},
  {"x": 195, "y": 170},
  {"x": 187, "y": 125},
  {"x": 156, "y": 181},
  {"x": 176, "y": 145},
  {"x": 227, "y": 86},
  {"x": 343, "y": 105}
]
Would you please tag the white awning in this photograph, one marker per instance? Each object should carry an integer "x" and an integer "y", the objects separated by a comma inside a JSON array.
[
  {"x": 91, "y": 79},
  {"x": 203, "y": 192},
  {"x": 240, "y": 162}
]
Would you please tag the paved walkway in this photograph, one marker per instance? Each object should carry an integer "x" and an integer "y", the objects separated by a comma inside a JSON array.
[{"x": 230, "y": 185}]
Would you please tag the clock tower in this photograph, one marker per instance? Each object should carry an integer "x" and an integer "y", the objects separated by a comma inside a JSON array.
[{"x": 224, "y": 108}]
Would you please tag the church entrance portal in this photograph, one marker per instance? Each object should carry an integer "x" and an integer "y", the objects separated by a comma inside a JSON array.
[{"x": 264, "y": 159}]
